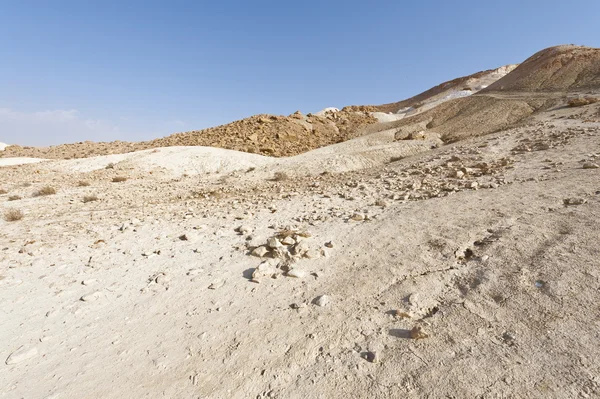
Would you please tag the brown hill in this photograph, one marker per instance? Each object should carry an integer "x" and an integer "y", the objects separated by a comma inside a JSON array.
[
  {"x": 544, "y": 80},
  {"x": 559, "y": 68},
  {"x": 473, "y": 83},
  {"x": 262, "y": 134}
]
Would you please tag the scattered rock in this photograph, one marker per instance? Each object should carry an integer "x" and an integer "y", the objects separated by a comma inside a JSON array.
[
  {"x": 358, "y": 217},
  {"x": 297, "y": 273},
  {"x": 260, "y": 251},
  {"x": 323, "y": 300},
  {"x": 21, "y": 354},
  {"x": 91, "y": 297},
  {"x": 274, "y": 243},
  {"x": 373, "y": 357},
  {"x": 243, "y": 230},
  {"x": 418, "y": 333},
  {"x": 590, "y": 165},
  {"x": 574, "y": 201},
  {"x": 288, "y": 241},
  {"x": 216, "y": 284}
]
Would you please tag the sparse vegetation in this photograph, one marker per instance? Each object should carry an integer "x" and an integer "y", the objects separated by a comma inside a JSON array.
[
  {"x": 46, "y": 190},
  {"x": 280, "y": 176},
  {"x": 12, "y": 215},
  {"x": 119, "y": 179},
  {"x": 581, "y": 101},
  {"x": 90, "y": 198},
  {"x": 14, "y": 198},
  {"x": 83, "y": 183},
  {"x": 3, "y": 191}
]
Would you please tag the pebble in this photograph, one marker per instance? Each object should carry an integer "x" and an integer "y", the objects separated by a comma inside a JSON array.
[
  {"x": 358, "y": 217},
  {"x": 297, "y": 273},
  {"x": 418, "y": 333},
  {"x": 91, "y": 297},
  {"x": 21, "y": 354},
  {"x": 274, "y": 243},
  {"x": 329, "y": 244},
  {"x": 574, "y": 201},
  {"x": 373, "y": 357},
  {"x": 288, "y": 241},
  {"x": 590, "y": 165},
  {"x": 216, "y": 284},
  {"x": 323, "y": 300},
  {"x": 243, "y": 229},
  {"x": 260, "y": 251}
]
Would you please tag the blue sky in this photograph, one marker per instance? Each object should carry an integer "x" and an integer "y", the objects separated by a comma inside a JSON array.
[{"x": 133, "y": 70}]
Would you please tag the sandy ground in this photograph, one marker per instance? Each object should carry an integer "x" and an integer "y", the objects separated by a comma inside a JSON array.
[{"x": 488, "y": 245}]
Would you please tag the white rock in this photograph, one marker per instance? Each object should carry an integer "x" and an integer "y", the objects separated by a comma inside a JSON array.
[
  {"x": 260, "y": 251},
  {"x": 323, "y": 300},
  {"x": 22, "y": 354},
  {"x": 216, "y": 284},
  {"x": 91, "y": 297},
  {"x": 297, "y": 273},
  {"x": 358, "y": 217},
  {"x": 244, "y": 230},
  {"x": 288, "y": 241},
  {"x": 273, "y": 242}
]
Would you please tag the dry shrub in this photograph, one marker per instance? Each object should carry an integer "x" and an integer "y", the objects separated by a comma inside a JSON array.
[
  {"x": 83, "y": 183},
  {"x": 119, "y": 179},
  {"x": 581, "y": 101},
  {"x": 90, "y": 198},
  {"x": 280, "y": 176},
  {"x": 14, "y": 198},
  {"x": 3, "y": 191},
  {"x": 12, "y": 215},
  {"x": 47, "y": 190}
]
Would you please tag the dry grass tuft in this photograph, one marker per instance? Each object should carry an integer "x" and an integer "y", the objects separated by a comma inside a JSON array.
[
  {"x": 83, "y": 183},
  {"x": 12, "y": 215},
  {"x": 14, "y": 198},
  {"x": 581, "y": 101},
  {"x": 47, "y": 190},
  {"x": 119, "y": 179},
  {"x": 280, "y": 176},
  {"x": 90, "y": 198}
]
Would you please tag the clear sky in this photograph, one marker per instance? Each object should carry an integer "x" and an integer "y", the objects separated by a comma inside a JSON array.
[{"x": 132, "y": 70}]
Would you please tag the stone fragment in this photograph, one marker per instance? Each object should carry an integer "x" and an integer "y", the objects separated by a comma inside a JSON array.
[
  {"x": 260, "y": 251},
  {"x": 323, "y": 300},
  {"x": 21, "y": 354},
  {"x": 417, "y": 332},
  {"x": 574, "y": 201},
  {"x": 590, "y": 165},
  {"x": 373, "y": 357},
  {"x": 297, "y": 273},
  {"x": 273, "y": 243},
  {"x": 91, "y": 297}
]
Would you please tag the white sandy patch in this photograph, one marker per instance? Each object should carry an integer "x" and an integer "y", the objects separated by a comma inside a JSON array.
[
  {"x": 18, "y": 161},
  {"x": 3, "y": 146}
]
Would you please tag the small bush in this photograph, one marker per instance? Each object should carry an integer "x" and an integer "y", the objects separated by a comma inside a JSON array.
[
  {"x": 83, "y": 183},
  {"x": 12, "y": 215},
  {"x": 47, "y": 190},
  {"x": 3, "y": 191},
  {"x": 581, "y": 101},
  {"x": 90, "y": 198},
  {"x": 280, "y": 176},
  {"x": 14, "y": 198},
  {"x": 119, "y": 179}
]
